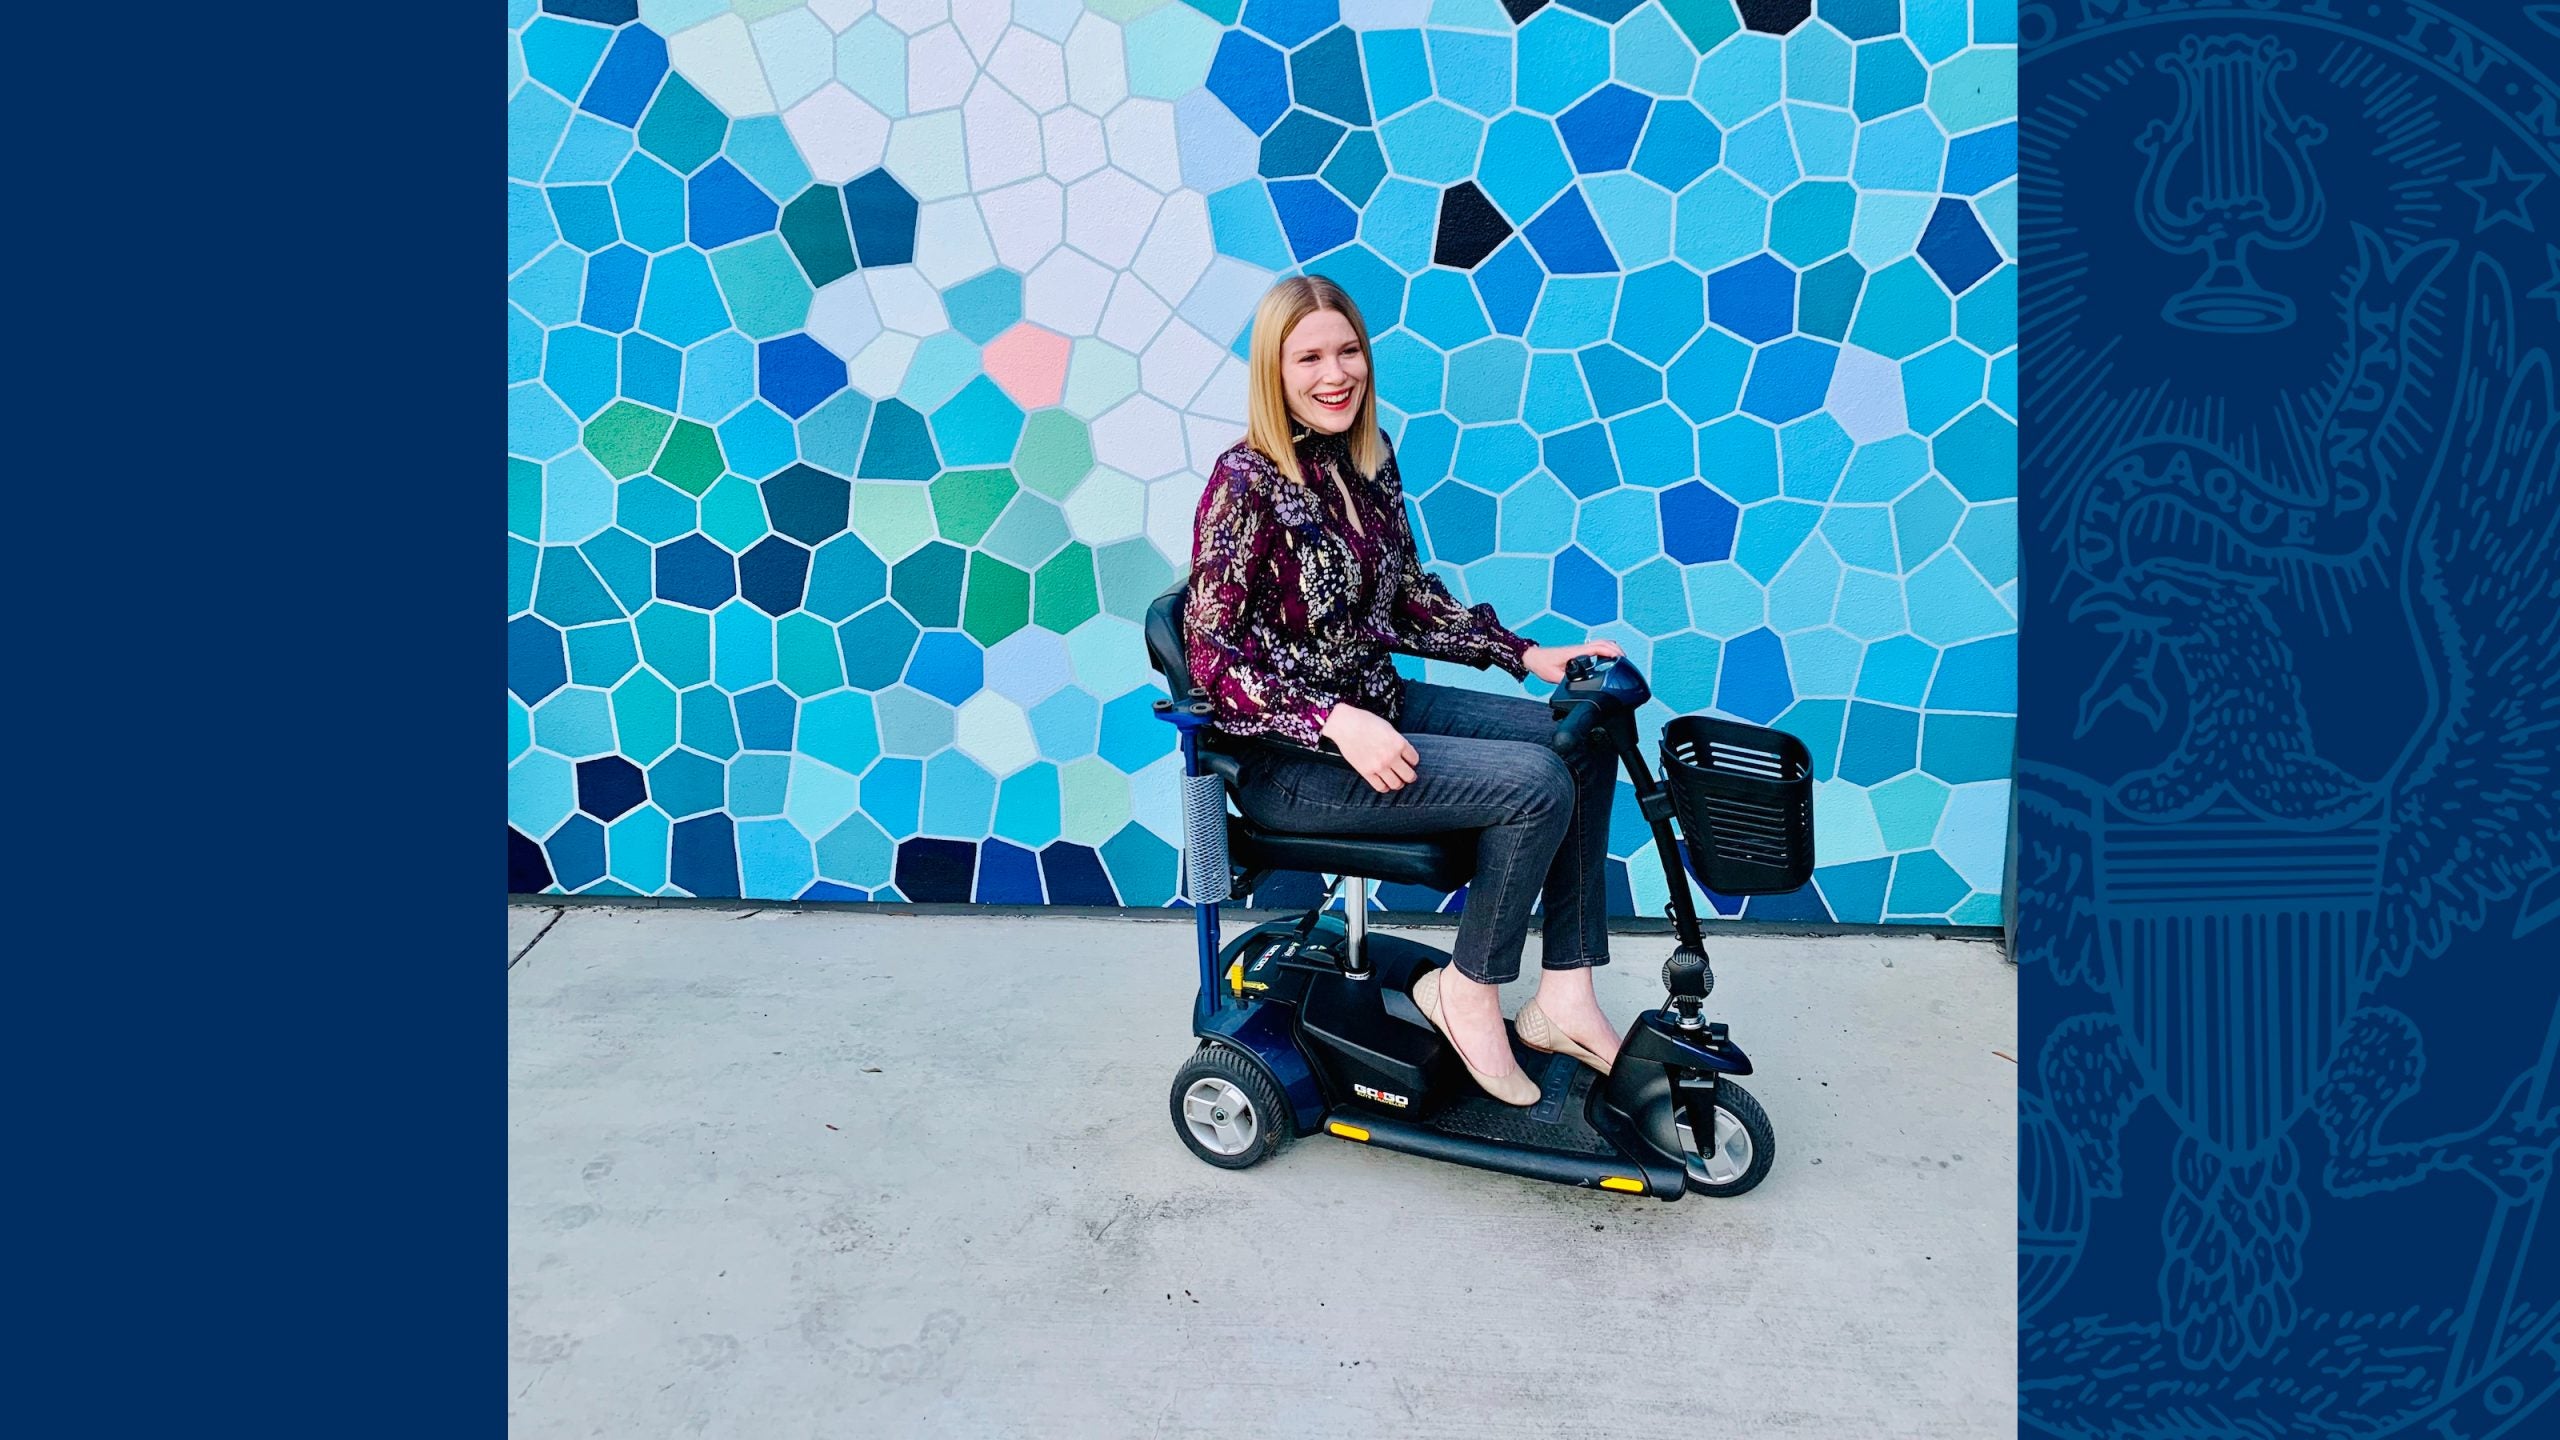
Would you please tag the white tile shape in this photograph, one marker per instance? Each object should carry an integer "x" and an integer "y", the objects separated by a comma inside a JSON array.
[
  {"x": 719, "y": 57},
  {"x": 1028, "y": 666},
  {"x": 838, "y": 135},
  {"x": 1108, "y": 214},
  {"x": 1133, "y": 316},
  {"x": 839, "y": 15},
  {"x": 1066, "y": 293},
  {"x": 1209, "y": 437},
  {"x": 1866, "y": 396},
  {"x": 993, "y": 731},
  {"x": 1179, "y": 362},
  {"x": 1225, "y": 395},
  {"x": 1053, "y": 18},
  {"x": 667, "y": 17},
  {"x": 1222, "y": 303},
  {"x": 940, "y": 69},
  {"x": 798, "y": 52},
  {"x": 981, "y": 24},
  {"x": 1973, "y": 833},
  {"x": 1026, "y": 221},
  {"x": 1073, "y": 143},
  {"x": 913, "y": 16},
  {"x": 1217, "y": 150},
  {"x": 951, "y": 242},
  {"x": 1155, "y": 799},
  {"x": 1143, "y": 142},
  {"x": 1004, "y": 137},
  {"x": 1173, "y": 504},
  {"x": 1099, "y": 376},
  {"x": 1385, "y": 14},
  {"x": 882, "y": 366},
  {"x": 1033, "y": 67},
  {"x": 1178, "y": 250},
  {"x": 1845, "y": 827},
  {"x": 927, "y": 155},
  {"x": 842, "y": 317},
  {"x": 1108, "y": 506},
  {"x": 871, "y": 60},
  {"x": 906, "y": 301},
  {"x": 1140, "y": 435},
  {"x": 1097, "y": 65}
]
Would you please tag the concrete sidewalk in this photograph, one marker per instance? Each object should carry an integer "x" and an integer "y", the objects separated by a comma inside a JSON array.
[{"x": 784, "y": 1174}]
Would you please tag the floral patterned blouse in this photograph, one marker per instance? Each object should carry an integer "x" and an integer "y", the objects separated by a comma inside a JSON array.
[{"x": 1292, "y": 608}]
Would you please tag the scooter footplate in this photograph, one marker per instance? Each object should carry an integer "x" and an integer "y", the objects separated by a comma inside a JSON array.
[{"x": 1554, "y": 1123}]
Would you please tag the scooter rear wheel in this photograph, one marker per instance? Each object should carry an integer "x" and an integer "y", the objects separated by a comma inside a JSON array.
[
  {"x": 1744, "y": 1146},
  {"x": 1228, "y": 1111}
]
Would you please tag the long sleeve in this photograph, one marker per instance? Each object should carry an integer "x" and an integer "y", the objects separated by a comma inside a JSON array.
[
  {"x": 1429, "y": 621},
  {"x": 1232, "y": 570}
]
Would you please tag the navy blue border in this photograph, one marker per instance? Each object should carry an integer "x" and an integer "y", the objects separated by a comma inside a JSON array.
[
  {"x": 259, "y": 1013},
  {"x": 2288, "y": 837}
]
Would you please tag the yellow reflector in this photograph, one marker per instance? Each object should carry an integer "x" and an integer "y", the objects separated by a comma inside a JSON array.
[
  {"x": 1347, "y": 1132},
  {"x": 1235, "y": 977},
  {"x": 1621, "y": 1182}
]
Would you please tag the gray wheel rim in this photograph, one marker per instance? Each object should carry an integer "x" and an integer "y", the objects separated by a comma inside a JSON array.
[
  {"x": 1220, "y": 1116},
  {"x": 1732, "y": 1154}
]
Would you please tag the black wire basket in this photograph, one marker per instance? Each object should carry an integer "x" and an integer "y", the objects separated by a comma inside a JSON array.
[{"x": 1744, "y": 795}]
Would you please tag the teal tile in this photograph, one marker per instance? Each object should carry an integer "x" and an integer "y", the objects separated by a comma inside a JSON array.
[
  {"x": 1574, "y": 311},
  {"x": 591, "y": 153},
  {"x": 1473, "y": 71},
  {"x": 599, "y": 655},
  {"x": 1950, "y": 604},
  {"x": 1813, "y": 452},
  {"x": 1987, "y": 316},
  {"x": 959, "y": 797},
  {"x": 1818, "y": 65},
  {"x": 831, "y": 436},
  {"x": 1802, "y": 594},
  {"x": 1960, "y": 748},
  {"x": 1399, "y": 71},
  {"x": 775, "y": 861},
  {"x": 1979, "y": 453},
  {"x": 644, "y": 717},
  {"x": 1067, "y": 724},
  {"x": 1706, "y": 381},
  {"x": 1981, "y": 675},
  {"x": 1924, "y": 520},
  {"x": 1884, "y": 469},
  {"x": 857, "y": 853},
  {"x": 1771, "y": 531},
  {"x": 1635, "y": 215},
  {"x": 535, "y": 120},
  {"x": 757, "y": 441},
  {"x": 1434, "y": 142},
  {"x": 1027, "y": 806},
  {"x": 675, "y": 642},
  {"x": 519, "y": 730},
  {"x": 719, "y": 376},
  {"x": 648, "y": 199},
  {"x": 1763, "y": 153},
  {"x": 1725, "y": 600},
  {"x": 761, "y": 146},
  {"x": 1739, "y": 456},
  {"x": 1684, "y": 672},
  {"x": 577, "y": 723},
  {"x": 523, "y": 561},
  {"x": 1485, "y": 380},
  {"x": 759, "y": 783},
  {"x": 542, "y": 791},
  {"x": 563, "y": 53},
  {"x": 1740, "y": 78},
  {"x": 893, "y": 795},
  {"x": 1903, "y": 311},
  {"x": 549, "y": 289},
  {"x": 682, "y": 304},
  {"x": 635, "y": 848},
  {"x": 1556, "y": 398},
  {"x": 1718, "y": 220},
  {"x": 741, "y": 646},
  {"x": 530, "y": 228},
  {"x": 1861, "y": 535},
  {"x": 1651, "y": 55}
]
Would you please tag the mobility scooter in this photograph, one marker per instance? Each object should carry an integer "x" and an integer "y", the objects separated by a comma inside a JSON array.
[{"x": 1307, "y": 1025}]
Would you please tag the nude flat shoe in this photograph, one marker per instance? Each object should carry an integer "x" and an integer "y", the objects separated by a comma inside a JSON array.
[
  {"x": 1540, "y": 1033},
  {"x": 1514, "y": 1089}
]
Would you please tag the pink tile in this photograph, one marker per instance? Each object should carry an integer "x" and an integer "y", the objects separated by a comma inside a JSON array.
[{"x": 1030, "y": 364}]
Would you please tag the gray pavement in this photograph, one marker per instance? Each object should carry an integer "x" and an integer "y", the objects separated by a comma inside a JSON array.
[{"x": 782, "y": 1174}]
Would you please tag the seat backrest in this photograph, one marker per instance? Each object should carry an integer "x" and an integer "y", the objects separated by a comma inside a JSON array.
[{"x": 1164, "y": 640}]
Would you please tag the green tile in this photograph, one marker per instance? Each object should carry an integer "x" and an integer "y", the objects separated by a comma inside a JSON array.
[
  {"x": 1056, "y": 453},
  {"x": 1907, "y": 809},
  {"x": 1030, "y": 531},
  {"x": 1705, "y": 22},
  {"x": 691, "y": 459},
  {"x": 602, "y": 654},
  {"x": 999, "y": 600},
  {"x": 967, "y": 502},
  {"x": 1063, "y": 595},
  {"x": 626, "y": 437},
  {"x": 805, "y": 653},
  {"x": 1093, "y": 800},
  {"x": 682, "y": 128}
]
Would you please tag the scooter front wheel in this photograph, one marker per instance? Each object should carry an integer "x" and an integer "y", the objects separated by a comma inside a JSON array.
[
  {"x": 1739, "y": 1154},
  {"x": 1227, "y": 1110}
]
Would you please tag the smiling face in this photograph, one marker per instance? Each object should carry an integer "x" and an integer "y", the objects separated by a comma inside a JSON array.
[{"x": 1324, "y": 371}]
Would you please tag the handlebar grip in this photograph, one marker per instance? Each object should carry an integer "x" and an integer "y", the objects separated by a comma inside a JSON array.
[{"x": 1575, "y": 729}]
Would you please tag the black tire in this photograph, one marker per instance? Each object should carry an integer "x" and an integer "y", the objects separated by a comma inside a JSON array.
[
  {"x": 1734, "y": 1101},
  {"x": 1220, "y": 1133}
]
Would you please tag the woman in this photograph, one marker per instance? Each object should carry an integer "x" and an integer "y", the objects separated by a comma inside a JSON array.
[{"x": 1303, "y": 579}]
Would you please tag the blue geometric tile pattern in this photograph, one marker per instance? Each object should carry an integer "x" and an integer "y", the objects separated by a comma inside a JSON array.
[{"x": 860, "y": 396}]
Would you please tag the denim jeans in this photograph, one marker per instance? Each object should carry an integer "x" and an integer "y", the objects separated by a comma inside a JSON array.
[{"x": 1487, "y": 765}]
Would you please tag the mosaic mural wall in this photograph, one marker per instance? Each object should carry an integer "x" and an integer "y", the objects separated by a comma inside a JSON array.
[{"x": 865, "y": 358}]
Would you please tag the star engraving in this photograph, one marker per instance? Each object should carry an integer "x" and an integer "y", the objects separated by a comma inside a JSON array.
[{"x": 2500, "y": 194}]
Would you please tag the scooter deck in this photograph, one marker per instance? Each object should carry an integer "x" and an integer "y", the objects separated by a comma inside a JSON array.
[
  {"x": 1555, "y": 1123},
  {"x": 1547, "y": 1141}
]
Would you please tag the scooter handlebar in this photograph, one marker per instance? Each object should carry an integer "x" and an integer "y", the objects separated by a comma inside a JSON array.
[{"x": 1574, "y": 730}]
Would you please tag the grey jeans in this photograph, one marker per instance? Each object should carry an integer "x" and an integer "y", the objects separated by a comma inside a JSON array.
[{"x": 1487, "y": 765}]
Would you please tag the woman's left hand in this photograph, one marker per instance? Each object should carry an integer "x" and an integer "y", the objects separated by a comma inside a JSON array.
[{"x": 1547, "y": 662}]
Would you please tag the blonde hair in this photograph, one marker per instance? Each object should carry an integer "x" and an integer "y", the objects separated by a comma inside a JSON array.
[{"x": 1269, "y": 427}]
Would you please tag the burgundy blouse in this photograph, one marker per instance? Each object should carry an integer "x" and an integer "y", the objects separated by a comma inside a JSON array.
[{"x": 1291, "y": 609}]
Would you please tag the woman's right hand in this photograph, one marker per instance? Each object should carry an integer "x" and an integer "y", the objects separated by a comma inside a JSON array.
[{"x": 1375, "y": 748}]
